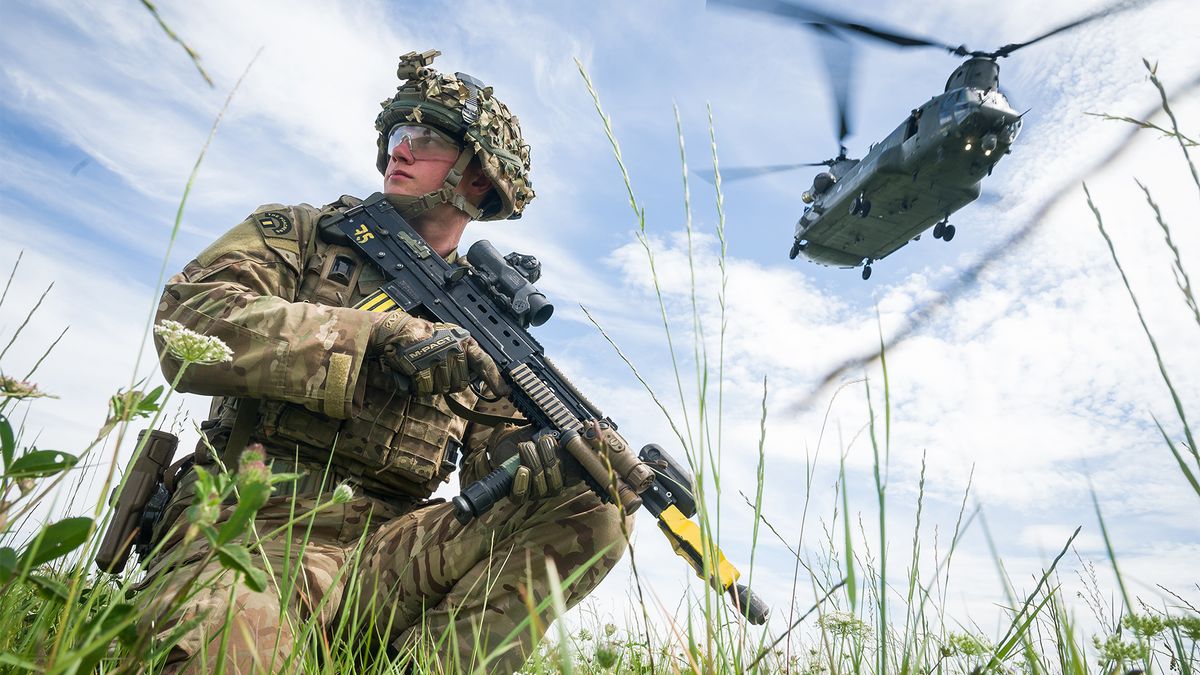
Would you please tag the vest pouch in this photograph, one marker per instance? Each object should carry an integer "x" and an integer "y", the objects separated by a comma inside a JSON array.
[
  {"x": 423, "y": 439},
  {"x": 291, "y": 422},
  {"x": 331, "y": 277}
]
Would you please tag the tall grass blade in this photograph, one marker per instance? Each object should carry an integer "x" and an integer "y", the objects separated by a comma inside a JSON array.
[
  {"x": 1183, "y": 467},
  {"x": 1162, "y": 368},
  {"x": 11, "y": 274},
  {"x": 38, "y": 363},
  {"x": 767, "y": 650},
  {"x": 25, "y": 323},
  {"x": 851, "y": 579},
  {"x": 1181, "y": 276},
  {"x": 1166, "y": 106},
  {"x": 565, "y": 662},
  {"x": 187, "y": 189},
  {"x": 171, "y": 34},
  {"x": 1023, "y": 616}
]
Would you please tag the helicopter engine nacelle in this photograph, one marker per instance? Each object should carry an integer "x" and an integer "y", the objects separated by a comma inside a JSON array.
[{"x": 822, "y": 182}]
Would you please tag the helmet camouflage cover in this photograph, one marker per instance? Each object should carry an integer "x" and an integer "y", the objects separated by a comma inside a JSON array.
[{"x": 461, "y": 106}]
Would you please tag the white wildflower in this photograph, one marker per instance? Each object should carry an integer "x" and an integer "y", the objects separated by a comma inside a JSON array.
[
  {"x": 191, "y": 347},
  {"x": 342, "y": 494}
]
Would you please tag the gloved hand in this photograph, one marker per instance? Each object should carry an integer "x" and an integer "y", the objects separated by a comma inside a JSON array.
[
  {"x": 540, "y": 475},
  {"x": 543, "y": 472},
  {"x": 437, "y": 358}
]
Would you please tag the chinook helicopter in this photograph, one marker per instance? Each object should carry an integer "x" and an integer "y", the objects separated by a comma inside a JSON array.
[{"x": 863, "y": 210}]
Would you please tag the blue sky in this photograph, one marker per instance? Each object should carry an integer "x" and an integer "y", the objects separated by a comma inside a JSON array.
[{"x": 1038, "y": 376}]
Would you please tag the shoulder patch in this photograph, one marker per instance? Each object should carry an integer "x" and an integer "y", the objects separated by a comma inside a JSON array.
[{"x": 274, "y": 224}]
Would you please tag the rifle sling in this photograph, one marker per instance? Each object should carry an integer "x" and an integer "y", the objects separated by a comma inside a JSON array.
[{"x": 486, "y": 419}]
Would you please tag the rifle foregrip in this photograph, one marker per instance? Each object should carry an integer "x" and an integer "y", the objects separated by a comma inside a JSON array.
[
  {"x": 751, "y": 607},
  {"x": 479, "y": 497}
]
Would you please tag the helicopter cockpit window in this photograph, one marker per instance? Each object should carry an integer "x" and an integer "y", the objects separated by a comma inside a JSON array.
[{"x": 950, "y": 101}]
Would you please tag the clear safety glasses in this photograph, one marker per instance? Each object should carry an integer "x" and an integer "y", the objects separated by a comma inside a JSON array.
[{"x": 424, "y": 142}]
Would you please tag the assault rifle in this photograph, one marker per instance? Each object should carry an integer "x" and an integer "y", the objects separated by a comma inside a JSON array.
[{"x": 495, "y": 301}]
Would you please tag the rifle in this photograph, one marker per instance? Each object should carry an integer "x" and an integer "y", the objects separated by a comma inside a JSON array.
[{"x": 495, "y": 301}]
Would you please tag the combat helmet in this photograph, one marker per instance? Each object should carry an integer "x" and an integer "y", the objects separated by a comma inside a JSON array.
[{"x": 462, "y": 107}]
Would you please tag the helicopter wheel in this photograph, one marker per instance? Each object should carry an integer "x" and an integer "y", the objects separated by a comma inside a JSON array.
[
  {"x": 865, "y": 209},
  {"x": 856, "y": 205},
  {"x": 939, "y": 229},
  {"x": 866, "y": 273},
  {"x": 796, "y": 248},
  {"x": 948, "y": 233}
]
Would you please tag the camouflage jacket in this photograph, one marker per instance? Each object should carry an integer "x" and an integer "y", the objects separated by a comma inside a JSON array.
[{"x": 280, "y": 290}]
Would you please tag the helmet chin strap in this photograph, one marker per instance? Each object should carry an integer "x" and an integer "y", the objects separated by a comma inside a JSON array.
[{"x": 411, "y": 207}]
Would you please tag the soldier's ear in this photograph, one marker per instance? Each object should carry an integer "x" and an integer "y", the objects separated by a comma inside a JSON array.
[{"x": 475, "y": 184}]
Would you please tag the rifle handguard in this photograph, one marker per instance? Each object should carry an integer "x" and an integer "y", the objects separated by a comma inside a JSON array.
[{"x": 479, "y": 497}]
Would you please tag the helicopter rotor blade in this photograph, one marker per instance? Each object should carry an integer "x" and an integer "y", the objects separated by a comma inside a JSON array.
[
  {"x": 1122, "y": 6},
  {"x": 744, "y": 172},
  {"x": 804, "y": 14},
  {"x": 839, "y": 57}
]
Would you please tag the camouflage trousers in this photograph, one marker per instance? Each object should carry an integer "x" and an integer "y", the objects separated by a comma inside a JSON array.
[{"x": 413, "y": 578}]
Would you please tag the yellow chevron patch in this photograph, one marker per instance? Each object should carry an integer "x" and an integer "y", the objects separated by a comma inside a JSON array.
[{"x": 377, "y": 302}]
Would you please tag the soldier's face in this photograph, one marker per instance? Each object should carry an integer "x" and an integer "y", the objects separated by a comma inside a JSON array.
[
  {"x": 420, "y": 157},
  {"x": 409, "y": 176}
]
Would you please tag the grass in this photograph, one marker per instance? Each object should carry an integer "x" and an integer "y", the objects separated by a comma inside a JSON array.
[{"x": 863, "y": 609}]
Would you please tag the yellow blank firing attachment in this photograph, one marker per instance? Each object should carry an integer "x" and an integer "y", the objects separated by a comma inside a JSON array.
[{"x": 685, "y": 538}]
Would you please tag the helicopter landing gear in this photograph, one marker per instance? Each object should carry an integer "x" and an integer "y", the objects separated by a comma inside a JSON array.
[
  {"x": 943, "y": 230},
  {"x": 866, "y": 273},
  {"x": 861, "y": 206},
  {"x": 797, "y": 246}
]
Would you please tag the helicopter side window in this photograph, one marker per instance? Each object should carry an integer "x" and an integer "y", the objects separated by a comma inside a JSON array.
[{"x": 914, "y": 120}]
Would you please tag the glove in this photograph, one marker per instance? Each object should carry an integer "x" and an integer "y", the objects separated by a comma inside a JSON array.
[
  {"x": 543, "y": 472},
  {"x": 540, "y": 474},
  {"x": 437, "y": 358}
]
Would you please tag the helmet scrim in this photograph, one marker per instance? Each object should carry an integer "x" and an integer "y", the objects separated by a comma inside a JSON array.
[{"x": 462, "y": 107}]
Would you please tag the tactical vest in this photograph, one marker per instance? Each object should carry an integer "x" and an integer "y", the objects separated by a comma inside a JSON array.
[{"x": 396, "y": 443}]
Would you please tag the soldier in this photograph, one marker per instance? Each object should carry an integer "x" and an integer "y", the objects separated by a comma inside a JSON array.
[{"x": 313, "y": 380}]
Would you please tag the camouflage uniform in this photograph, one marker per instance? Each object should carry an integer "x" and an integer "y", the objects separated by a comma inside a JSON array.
[{"x": 280, "y": 290}]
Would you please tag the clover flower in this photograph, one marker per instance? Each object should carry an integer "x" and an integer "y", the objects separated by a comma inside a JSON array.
[
  {"x": 11, "y": 387},
  {"x": 252, "y": 468},
  {"x": 191, "y": 347}
]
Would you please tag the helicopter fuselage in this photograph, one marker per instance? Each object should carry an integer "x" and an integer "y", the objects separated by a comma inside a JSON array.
[{"x": 928, "y": 168}]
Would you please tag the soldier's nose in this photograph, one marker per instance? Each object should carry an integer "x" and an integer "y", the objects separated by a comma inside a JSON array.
[{"x": 403, "y": 153}]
